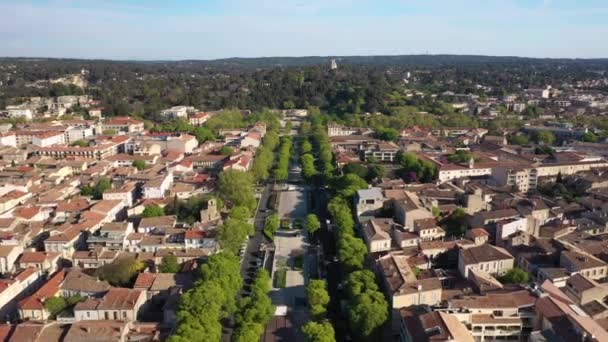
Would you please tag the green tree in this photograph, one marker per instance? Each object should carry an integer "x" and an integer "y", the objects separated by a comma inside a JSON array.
[
  {"x": 139, "y": 164},
  {"x": 256, "y": 309},
  {"x": 306, "y": 146},
  {"x": 312, "y": 223},
  {"x": 96, "y": 191},
  {"x": 348, "y": 185},
  {"x": 456, "y": 223},
  {"x": 351, "y": 252},
  {"x": 248, "y": 332},
  {"x": 55, "y": 305},
  {"x": 590, "y": 137},
  {"x": 272, "y": 225},
  {"x": 318, "y": 298},
  {"x": 519, "y": 139},
  {"x": 355, "y": 168},
  {"x": 544, "y": 137},
  {"x": 375, "y": 171},
  {"x": 308, "y": 166},
  {"x": 515, "y": 276},
  {"x": 224, "y": 269},
  {"x": 226, "y": 150},
  {"x": 319, "y": 332},
  {"x": 387, "y": 134},
  {"x": 236, "y": 188},
  {"x": 341, "y": 215},
  {"x": 169, "y": 264},
  {"x": 232, "y": 233},
  {"x": 367, "y": 312},
  {"x": 203, "y": 134},
  {"x": 121, "y": 272},
  {"x": 153, "y": 210},
  {"x": 359, "y": 282}
]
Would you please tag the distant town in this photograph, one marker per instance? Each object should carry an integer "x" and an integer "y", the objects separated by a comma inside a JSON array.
[{"x": 330, "y": 201}]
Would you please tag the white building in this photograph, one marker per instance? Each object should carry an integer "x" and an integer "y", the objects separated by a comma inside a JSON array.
[
  {"x": 157, "y": 187},
  {"x": 78, "y": 133},
  {"x": 178, "y": 112},
  {"x": 47, "y": 139},
  {"x": 19, "y": 112},
  {"x": 8, "y": 139}
]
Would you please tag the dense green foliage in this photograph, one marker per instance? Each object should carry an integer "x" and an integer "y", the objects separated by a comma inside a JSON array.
[
  {"x": 341, "y": 216},
  {"x": 212, "y": 298},
  {"x": 271, "y": 225},
  {"x": 312, "y": 224},
  {"x": 121, "y": 272},
  {"x": 254, "y": 311},
  {"x": 96, "y": 191},
  {"x": 234, "y": 231},
  {"x": 139, "y": 164},
  {"x": 153, "y": 210},
  {"x": 351, "y": 252},
  {"x": 318, "y": 298},
  {"x": 414, "y": 169},
  {"x": 264, "y": 156},
  {"x": 319, "y": 332},
  {"x": 169, "y": 264},
  {"x": 544, "y": 137},
  {"x": 515, "y": 276},
  {"x": 456, "y": 223},
  {"x": 281, "y": 171},
  {"x": 236, "y": 188},
  {"x": 56, "y": 305}
]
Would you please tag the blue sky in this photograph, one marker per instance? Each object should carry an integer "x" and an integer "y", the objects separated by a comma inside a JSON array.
[{"x": 208, "y": 29}]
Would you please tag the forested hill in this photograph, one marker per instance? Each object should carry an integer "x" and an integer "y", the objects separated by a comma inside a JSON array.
[{"x": 393, "y": 60}]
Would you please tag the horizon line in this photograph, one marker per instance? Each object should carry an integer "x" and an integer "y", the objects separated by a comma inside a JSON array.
[{"x": 297, "y": 57}]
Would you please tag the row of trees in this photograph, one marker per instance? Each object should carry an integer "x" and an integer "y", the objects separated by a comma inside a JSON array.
[
  {"x": 323, "y": 149},
  {"x": 309, "y": 171},
  {"x": 281, "y": 171},
  {"x": 212, "y": 299},
  {"x": 264, "y": 156},
  {"x": 319, "y": 329},
  {"x": 254, "y": 311},
  {"x": 367, "y": 309}
]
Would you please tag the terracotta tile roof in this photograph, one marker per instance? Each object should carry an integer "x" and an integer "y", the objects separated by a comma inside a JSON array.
[
  {"x": 37, "y": 257},
  {"x": 144, "y": 280},
  {"x": 48, "y": 290},
  {"x": 27, "y": 212}
]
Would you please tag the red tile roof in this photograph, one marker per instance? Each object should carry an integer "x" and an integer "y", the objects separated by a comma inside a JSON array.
[{"x": 48, "y": 290}]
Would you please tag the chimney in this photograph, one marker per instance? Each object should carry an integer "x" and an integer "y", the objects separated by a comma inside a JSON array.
[
  {"x": 471, "y": 163},
  {"x": 419, "y": 287}
]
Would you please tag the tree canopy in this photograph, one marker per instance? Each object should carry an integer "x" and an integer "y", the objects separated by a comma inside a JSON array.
[
  {"x": 236, "y": 188},
  {"x": 153, "y": 210}
]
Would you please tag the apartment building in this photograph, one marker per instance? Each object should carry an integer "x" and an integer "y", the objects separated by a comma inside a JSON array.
[{"x": 487, "y": 258}]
